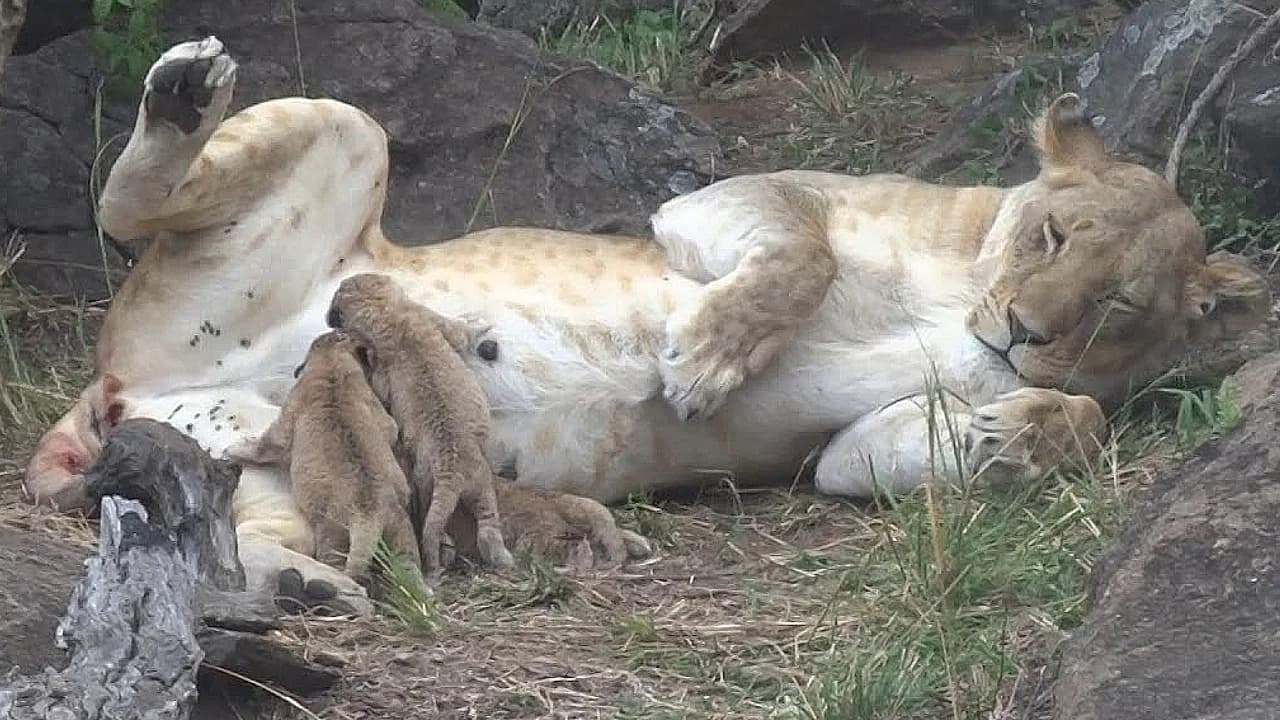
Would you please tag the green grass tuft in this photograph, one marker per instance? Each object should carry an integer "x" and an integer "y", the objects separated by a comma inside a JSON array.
[{"x": 647, "y": 48}]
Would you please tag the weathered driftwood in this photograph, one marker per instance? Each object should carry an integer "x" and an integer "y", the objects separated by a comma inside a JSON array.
[
  {"x": 162, "y": 588},
  {"x": 128, "y": 630}
]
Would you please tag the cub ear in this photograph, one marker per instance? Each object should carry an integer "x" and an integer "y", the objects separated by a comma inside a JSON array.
[
  {"x": 366, "y": 357},
  {"x": 1066, "y": 136},
  {"x": 1226, "y": 298}
]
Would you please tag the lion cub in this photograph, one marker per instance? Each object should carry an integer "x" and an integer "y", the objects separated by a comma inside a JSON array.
[
  {"x": 437, "y": 401},
  {"x": 338, "y": 443}
]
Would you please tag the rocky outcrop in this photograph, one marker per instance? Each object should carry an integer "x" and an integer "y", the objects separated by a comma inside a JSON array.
[
  {"x": 761, "y": 27},
  {"x": 1138, "y": 87},
  {"x": 1185, "y": 610},
  {"x": 484, "y": 129}
]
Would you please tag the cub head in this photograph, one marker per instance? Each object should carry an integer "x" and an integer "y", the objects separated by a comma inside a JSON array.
[
  {"x": 1098, "y": 278},
  {"x": 334, "y": 350},
  {"x": 363, "y": 301}
]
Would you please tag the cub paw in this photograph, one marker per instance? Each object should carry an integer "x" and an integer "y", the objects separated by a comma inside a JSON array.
[
  {"x": 187, "y": 82},
  {"x": 1028, "y": 431},
  {"x": 566, "y": 528},
  {"x": 710, "y": 352}
]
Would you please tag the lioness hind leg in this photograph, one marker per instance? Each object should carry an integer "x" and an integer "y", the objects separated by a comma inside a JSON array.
[
  {"x": 761, "y": 246},
  {"x": 184, "y": 97}
]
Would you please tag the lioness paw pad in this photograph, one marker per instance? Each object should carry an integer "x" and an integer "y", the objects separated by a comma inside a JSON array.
[{"x": 187, "y": 79}]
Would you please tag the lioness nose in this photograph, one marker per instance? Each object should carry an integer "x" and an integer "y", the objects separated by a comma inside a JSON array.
[{"x": 1020, "y": 334}]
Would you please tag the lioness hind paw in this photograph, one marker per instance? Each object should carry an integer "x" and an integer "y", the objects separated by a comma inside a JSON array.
[{"x": 186, "y": 81}]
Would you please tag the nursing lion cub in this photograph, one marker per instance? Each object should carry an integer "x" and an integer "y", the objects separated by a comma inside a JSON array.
[
  {"x": 770, "y": 315},
  {"x": 336, "y": 440}
]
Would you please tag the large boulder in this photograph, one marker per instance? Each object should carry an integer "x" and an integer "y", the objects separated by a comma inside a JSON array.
[
  {"x": 1138, "y": 86},
  {"x": 762, "y": 27},
  {"x": 589, "y": 150},
  {"x": 1184, "y": 617}
]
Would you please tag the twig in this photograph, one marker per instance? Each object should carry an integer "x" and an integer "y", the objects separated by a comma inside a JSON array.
[
  {"x": 297, "y": 48},
  {"x": 1210, "y": 91}
]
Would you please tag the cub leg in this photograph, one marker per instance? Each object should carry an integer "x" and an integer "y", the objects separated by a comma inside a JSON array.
[
  {"x": 364, "y": 532},
  {"x": 761, "y": 247},
  {"x": 443, "y": 497},
  {"x": 482, "y": 501}
]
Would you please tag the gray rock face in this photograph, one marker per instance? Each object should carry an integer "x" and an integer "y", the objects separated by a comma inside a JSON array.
[
  {"x": 760, "y": 27},
  {"x": 532, "y": 16},
  {"x": 1139, "y": 85},
  {"x": 48, "y": 146},
  {"x": 1185, "y": 610},
  {"x": 591, "y": 151}
]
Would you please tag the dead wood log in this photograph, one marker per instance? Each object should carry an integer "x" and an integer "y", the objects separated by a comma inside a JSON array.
[{"x": 165, "y": 580}]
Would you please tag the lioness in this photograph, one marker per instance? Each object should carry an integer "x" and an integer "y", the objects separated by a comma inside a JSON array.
[{"x": 773, "y": 314}]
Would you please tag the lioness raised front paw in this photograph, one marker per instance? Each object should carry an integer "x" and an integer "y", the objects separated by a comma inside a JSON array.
[
  {"x": 712, "y": 348},
  {"x": 1028, "y": 431},
  {"x": 189, "y": 81}
]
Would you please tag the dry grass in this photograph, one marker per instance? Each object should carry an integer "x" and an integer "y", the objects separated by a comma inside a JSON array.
[{"x": 769, "y": 603}]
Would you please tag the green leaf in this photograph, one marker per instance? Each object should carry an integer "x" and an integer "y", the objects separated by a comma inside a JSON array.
[{"x": 102, "y": 9}]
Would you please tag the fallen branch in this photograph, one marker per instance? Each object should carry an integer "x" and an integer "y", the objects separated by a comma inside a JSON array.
[
  {"x": 162, "y": 596},
  {"x": 1211, "y": 91}
]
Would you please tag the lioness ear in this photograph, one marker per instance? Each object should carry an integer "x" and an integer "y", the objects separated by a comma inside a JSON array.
[
  {"x": 1226, "y": 298},
  {"x": 1066, "y": 136}
]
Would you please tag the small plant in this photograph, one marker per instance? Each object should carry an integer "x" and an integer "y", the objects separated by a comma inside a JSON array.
[
  {"x": 1222, "y": 202},
  {"x": 641, "y": 515},
  {"x": 1203, "y": 413},
  {"x": 400, "y": 595},
  {"x": 128, "y": 40},
  {"x": 857, "y": 118},
  {"x": 646, "y": 48}
]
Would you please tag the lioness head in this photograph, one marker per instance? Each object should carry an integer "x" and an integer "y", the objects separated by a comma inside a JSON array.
[{"x": 1099, "y": 278}]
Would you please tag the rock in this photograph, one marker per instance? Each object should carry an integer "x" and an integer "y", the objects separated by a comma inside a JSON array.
[
  {"x": 47, "y": 142},
  {"x": 985, "y": 140},
  {"x": 1251, "y": 118},
  {"x": 763, "y": 27},
  {"x": 1138, "y": 87},
  {"x": 1139, "y": 84},
  {"x": 592, "y": 151},
  {"x": 532, "y": 17},
  {"x": 48, "y": 20},
  {"x": 37, "y": 572},
  {"x": 1184, "y": 617}
]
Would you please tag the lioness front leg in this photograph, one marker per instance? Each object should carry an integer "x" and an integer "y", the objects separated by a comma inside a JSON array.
[
  {"x": 761, "y": 246},
  {"x": 1017, "y": 436},
  {"x": 1028, "y": 431}
]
